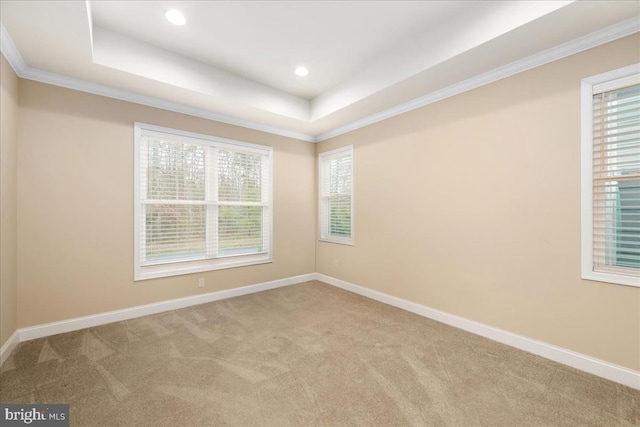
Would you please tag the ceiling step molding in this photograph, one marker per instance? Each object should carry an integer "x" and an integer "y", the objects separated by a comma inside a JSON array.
[
  {"x": 597, "y": 38},
  {"x": 9, "y": 50}
]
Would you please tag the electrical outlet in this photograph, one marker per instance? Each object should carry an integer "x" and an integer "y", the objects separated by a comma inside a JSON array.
[{"x": 201, "y": 282}]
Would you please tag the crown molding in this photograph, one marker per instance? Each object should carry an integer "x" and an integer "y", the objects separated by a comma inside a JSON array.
[
  {"x": 9, "y": 50},
  {"x": 124, "y": 95},
  {"x": 597, "y": 38}
]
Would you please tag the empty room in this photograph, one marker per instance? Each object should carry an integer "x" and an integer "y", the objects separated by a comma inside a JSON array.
[{"x": 320, "y": 213}]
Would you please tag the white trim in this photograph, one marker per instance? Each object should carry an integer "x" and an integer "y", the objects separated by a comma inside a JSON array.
[
  {"x": 144, "y": 272},
  {"x": 16, "y": 62},
  {"x": 597, "y": 38},
  {"x": 614, "y": 84},
  {"x": 616, "y": 373},
  {"x": 69, "y": 325},
  {"x": 613, "y": 74},
  {"x": 346, "y": 151},
  {"x": 54, "y": 328},
  {"x": 9, "y": 345},
  {"x": 110, "y": 92},
  {"x": 190, "y": 267},
  {"x": 586, "y": 185},
  {"x": 9, "y": 50},
  {"x": 576, "y": 360}
]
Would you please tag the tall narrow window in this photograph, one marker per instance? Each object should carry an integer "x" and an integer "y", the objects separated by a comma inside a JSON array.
[
  {"x": 611, "y": 177},
  {"x": 202, "y": 203},
  {"x": 336, "y": 195}
]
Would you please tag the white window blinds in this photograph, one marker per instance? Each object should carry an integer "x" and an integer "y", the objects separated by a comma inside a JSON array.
[
  {"x": 336, "y": 195},
  {"x": 616, "y": 177},
  {"x": 202, "y": 203}
]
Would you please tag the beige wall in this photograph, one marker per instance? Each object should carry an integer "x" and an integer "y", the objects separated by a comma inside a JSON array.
[
  {"x": 8, "y": 205},
  {"x": 75, "y": 204},
  {"x": 472, "y": 206}
]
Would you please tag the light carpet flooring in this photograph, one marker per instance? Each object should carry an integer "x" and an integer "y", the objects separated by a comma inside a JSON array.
[{"x": 303, "y": 355}]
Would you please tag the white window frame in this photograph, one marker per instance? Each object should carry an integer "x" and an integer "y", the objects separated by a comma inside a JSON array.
[
  {"x": 324, "y": 236},
  {"x": 587, "y": 92},
  {"x": 186, "y": 267}
]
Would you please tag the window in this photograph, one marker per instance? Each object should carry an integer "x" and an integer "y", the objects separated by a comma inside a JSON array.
[
  {"x": 611, "y": 177},
  {"x": 201, "y": 203},
  {"x": 336, "y": 195}
]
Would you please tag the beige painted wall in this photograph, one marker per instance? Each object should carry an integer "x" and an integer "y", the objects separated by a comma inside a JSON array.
[
  {"x": 75, "y": 226},
  {"x": 472, "y": 206},
  {"x": 477, "y": 212},
  {"x": 8, "y": 204}
]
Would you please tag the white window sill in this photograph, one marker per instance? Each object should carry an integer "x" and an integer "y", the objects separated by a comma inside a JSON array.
[
  {"x": 617, "y": 279},
  {"x": 337, "y": 241},
  {"x": 189, "y": 267}
]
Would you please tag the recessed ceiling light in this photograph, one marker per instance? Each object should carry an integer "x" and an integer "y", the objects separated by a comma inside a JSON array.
[
  {"x": 175, "y": 17},
  {"x": 302, "y": 71}
]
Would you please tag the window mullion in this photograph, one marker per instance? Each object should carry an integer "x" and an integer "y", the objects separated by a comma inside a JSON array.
[
  {"x": 142, "y": 188},
  {"x": 264, "y": 197},
  {"x": 177, "y": 186},
  {"x": 211, "y": 196}
]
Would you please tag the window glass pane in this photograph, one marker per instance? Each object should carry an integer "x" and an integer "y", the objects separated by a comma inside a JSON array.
[
  {"x": 627, "y": 252},
  {"x": 616, "y": 174},
  {"x": 240, "y": 230},
  {"x": 175, "y": 171},
  {"x": 338, "y": 172},
  {"x": 240, "y": 176},
  {"x": 201, "y": 203},
  {"x": 174, "y": 231},
  {"x": 340, "y": 216},
  {"x": 336, "y": 188}
]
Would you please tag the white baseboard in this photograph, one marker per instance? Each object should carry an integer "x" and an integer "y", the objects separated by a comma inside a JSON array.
[
  {"x": 618, "y": 374},
  {"x": 8, "y": 346},
  {"x": 576, "y": 360},
  {"x": 54, "y": 328}
]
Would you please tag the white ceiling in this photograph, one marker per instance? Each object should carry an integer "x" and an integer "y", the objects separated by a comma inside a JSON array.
[{"x": 234, "y": 60}]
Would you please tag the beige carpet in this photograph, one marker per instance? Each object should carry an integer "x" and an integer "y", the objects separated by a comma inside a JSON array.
[{"x": 308, "y": 354}]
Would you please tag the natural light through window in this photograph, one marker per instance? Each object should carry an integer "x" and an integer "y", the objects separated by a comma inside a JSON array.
[
  {"x": 611, "y": 178},
  {"x": 336, "y": 195},
  {"x": 202, "y": 203}
]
